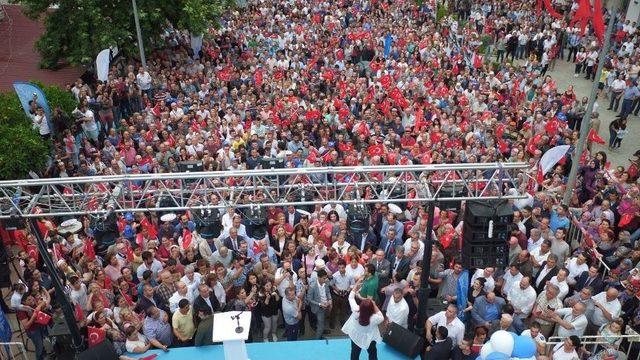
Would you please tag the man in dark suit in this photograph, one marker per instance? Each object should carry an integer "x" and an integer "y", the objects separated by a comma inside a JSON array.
[
  {"x": 147, "y": 300},
  {"x": 232, "y": 242},
  {"x": 291, "y": 216},
  {"x": 400, "y": 263},
  {"x": 383, "y": 268},
  {"x": 441, "y": 348},
  {"x": 364, "y": 239},
  {"x": 527, "y": 220},
  {"x": 388, "y": 243},
  {"x": 320, "y": 302},
  {"x": 590, "y": 278},
  {"x": 548, "y": 269},
  {"x": 206, "y": 302}
]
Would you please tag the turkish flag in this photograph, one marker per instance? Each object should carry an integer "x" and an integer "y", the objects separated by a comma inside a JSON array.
[
  {"x": 328, "y": 75},
  {"x": 312, "y": 115},
  {"x": 595, "y": 137},
  {"x": 42, "y": 318},
  {"x": 375, "y": 66},
  {"x": 77, "y": 312},
  {"x": 375, "y": 150},
  {"x": 500, "y": 130},
  {"x": 503, "y": 146},
  {"x": 150, "y": 357},
  {"x": 385, "y": 81},
  {"x": 96, "y": 336},
  {"x": 150, "y": 228},
  {"x": 187, "y": 238},
  {"x": 279, "y": 75},
  {"x": 129, "y": 253},
  {"x": 343, "y": 113},
  {"x": 89, "y": 249},
  {"x": 313, "y": 156},
  {"x": 32, "y": 250},
  {"x": 317, "y": 19},
  {"x": 539, "y": 174}
]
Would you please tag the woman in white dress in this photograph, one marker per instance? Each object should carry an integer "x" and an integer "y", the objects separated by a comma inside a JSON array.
[{"x": 362, "y": 325}]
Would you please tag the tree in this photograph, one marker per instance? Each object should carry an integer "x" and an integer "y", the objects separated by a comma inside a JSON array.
[
  {"x": 22, "y": 147},
  {"x": 79, "y": 29}
]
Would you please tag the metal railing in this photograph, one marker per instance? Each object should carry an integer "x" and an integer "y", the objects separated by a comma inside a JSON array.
[
  {"x": 13, "y": 350},
  {"x": 630, "y": 335}
]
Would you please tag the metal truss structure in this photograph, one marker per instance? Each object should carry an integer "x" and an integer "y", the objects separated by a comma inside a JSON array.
[{"x": 35, "y": 198}]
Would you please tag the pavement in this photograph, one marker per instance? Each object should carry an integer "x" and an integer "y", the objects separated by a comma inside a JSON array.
[{"x": 563, "y": 75}]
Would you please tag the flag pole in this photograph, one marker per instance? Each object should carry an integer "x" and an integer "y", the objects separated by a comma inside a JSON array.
[{"x": 586, "y": 119}]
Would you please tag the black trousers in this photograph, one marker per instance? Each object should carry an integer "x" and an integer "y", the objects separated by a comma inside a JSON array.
[{"x": 372, "y": 350}]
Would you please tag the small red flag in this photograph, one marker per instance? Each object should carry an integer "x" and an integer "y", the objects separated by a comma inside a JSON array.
[
  {"x": 77, "y": 312},
  {"x": 96, "y": 336},
  {"x": 42, "y": 318},
  {"x": 89, "y": 249},
  {"x": 32, "y": 250},
  {"x": 187, "y": 238},
  {"x": 595, "y": 137}
]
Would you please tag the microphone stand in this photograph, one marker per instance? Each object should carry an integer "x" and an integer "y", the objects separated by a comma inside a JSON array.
[{"x": 239, "y": 328}]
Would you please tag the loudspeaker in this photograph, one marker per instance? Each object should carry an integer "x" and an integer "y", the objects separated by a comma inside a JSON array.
[
  {"x": 185, "y": 166},
  {"x": 479, "y": 248},
  {"x": 102, "y": 351},
  {"x": 403, "y": 340}
]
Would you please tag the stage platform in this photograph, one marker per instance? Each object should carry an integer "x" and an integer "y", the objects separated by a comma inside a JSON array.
[{"x": 333, "y": 349}]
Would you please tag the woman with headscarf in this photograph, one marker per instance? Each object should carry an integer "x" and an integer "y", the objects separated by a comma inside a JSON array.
[{"x": 362, "y": 325}]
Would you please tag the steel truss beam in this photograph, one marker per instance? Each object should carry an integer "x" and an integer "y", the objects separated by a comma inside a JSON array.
[{"x": 255, "y": 188}]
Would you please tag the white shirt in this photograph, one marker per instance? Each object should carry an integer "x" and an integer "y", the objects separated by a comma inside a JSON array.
[
  {"x": 355, "y": 273},
  {"x": 510, "y": 280},
  {"x": 522, "y": 300},
  {"x": 322, "y": 292},
  {"x": 540, "y": 257},
  {"x": 342, "y": 282},
  {"x": 574, "y": 269},
  {"x": 563, "y": 286},
  {"x": 542, "y": 274},
  {"x": 579, "y": 323},
  {"x": 618, "y": 85},
  {"x": 489, "y": 285},
  {"x": 41, "y": 123},
  {"x": 175, "y": 299},
  {"x": 539, "y": 339},
  {"x": 192, "y": 284},
  {"x": 560, "y": 354},
  {"x": 284, "y": 284},
  {"x": 144, "y": 80},
  {"x": 532, "y": 245},
  {"x": 455, "y": 327},
  {"x": 613, "y": 307},
  {"x": 398, "y": 312}
]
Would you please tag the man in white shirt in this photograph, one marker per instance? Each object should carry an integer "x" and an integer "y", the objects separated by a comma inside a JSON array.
[
  {"x": 535, "y": 240},
  {"x": 341, "y": 284},
  {"x": 617, "y": 89},
  {"x": 448, "y": 319},
  {"x": 285, "y": 277},
  {"x": 571, "y": 321},
  {"x": 606, "y": 308},
  {"x": 182, "y": 292},
  {"x": 567, "y": 349},
  {"x": 191, "y": 278},
  {"x": 398, "y": 309},
  {"x": 522, "y": 298},
  {"x": 487, "y": 274},
  {"x": 511, "y": 277},
  {"x": 143, "y": 79},
  {"x": 560, "y": 281},
  {"x": 576, "y": 266},
  {"x": 41, "y": 123}
]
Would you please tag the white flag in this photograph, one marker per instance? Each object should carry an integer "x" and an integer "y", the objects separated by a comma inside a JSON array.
[
  {"x": 551, "y": 157},
  {"x": 102, "y": 64}
]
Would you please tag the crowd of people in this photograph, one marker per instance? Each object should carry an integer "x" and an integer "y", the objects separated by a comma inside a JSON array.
[{"x": 353, "y": 83}]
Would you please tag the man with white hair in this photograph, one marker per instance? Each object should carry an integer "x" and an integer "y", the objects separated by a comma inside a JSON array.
[
  {"x": 522, "y": 297},
  {"x": 182, "y": 292},
  {"x": 191, "y": 278}
]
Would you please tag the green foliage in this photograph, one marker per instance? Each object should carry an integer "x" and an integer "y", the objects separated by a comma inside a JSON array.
[
  {"x": 79, "y": 29},
  {"x": 22, "y": 147},
  {"x": 11, "y": 112},
  {"x": 22, "y": 150},
  {"x": 441, "y": 12}
]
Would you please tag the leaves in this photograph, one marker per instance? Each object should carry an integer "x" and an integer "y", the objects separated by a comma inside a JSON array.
[
  {"x": 22, "y": 147},
  {"x": 80, "y": 29}
]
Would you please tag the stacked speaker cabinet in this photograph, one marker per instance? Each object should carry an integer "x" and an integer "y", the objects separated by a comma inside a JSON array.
[{"x": 486, "y": 232}]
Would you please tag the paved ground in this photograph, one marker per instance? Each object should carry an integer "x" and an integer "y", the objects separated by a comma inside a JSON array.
[
  {"x": 563, "y": 74},
  {"x": 18, "y": 59}
]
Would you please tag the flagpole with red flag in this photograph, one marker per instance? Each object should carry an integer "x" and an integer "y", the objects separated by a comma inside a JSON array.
[{"x": 586, "y": 120}]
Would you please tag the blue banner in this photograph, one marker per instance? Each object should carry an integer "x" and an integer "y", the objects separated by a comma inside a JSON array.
[
  {"x": 462, "y": 292},
  {"x": 27, "y": 92},
  {"x": 5, "y": 328}
]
